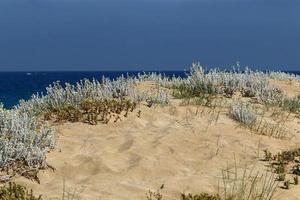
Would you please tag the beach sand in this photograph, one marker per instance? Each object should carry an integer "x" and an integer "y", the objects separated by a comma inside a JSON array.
[{"x": 173, "y": 145}]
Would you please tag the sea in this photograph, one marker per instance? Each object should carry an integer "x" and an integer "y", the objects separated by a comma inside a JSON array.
[{"x": 15, "y": 86}]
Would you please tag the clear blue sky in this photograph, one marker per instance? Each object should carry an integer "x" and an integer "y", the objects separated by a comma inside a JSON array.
[{"x": 148, "y": 34}]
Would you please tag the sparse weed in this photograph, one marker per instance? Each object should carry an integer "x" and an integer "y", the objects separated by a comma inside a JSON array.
[
  {"x": 245, "y": 114},
  {"x": 155, "y": 195},
  {"x": 247, "y": 184},
  {"x": 201, "y": 196},
  {"x": 285, "y": 162},
  {"x": 13, "y": 191},
  {"x": 291, "y": 105}
]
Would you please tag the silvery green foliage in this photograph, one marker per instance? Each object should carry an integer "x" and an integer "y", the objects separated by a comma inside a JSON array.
[
  {"x": 255, "y": 82},
  {"x": 278, "y": 75},
  {"x": 270, "y": 95},
  {"x": 159, "y": 79},
  {"x": 59, "y": 96},
  {"x": 235, "y": 80},
  {"x": 23, "y": 138},
  {"x": 160, "y": 97},
  {"x": 243, "y": 113}
]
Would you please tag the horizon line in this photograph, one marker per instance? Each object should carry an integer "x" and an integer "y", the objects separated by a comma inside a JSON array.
[{"x": 45, "y": 71}]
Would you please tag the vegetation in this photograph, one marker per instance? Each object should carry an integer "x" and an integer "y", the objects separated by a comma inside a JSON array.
[
  {"x": 248, "y": 83},
  {"x": 92, "y": 111},
  {"x": 58, "y": 97},
  {"x": 23, "y": 141},
  {"x": 285, "y": 163},
  {"x": 291, "y": 105},
  {"x": 246, "y": 115},
  {"x": 201, "y": 196},
  {"x": 235, "y": 185},
  {"x": 13, "y": 191},
  {"x": 243, "y": 113},
  {"x": 248, "y": 184},
  {"x": 26, "y": 137}
]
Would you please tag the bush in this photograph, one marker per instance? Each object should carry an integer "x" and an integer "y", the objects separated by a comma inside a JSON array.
[
  {"x": 271, "y": 96},
  {"x": 291, "y": 105},
  {"x": 24, "y": 139},
  {"x": 59, "y": 97},
  {"x": 92, "y": 111},
  {"x": 13, "y": 191},
  {"x": 202, "y": 196},
  {"x": 243, "y": 113}
]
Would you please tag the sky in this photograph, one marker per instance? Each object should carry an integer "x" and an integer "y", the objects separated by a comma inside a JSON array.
[{"x": 52, "y": 35}]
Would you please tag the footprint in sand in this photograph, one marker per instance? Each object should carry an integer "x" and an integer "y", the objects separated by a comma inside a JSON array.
[
  {"x": 126, "y": 145},
  {"x": 134, "y": 161}
]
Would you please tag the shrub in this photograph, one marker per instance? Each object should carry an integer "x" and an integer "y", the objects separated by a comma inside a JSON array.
[
  {"x": 247, "y": 92},
  {"x": 92, "y": 111},
  {"x": 270, "y": 95},
  {"x": 13, "y": 191},
  {"x": 58, "y": 97},
  {"x": 201, "y": 196},
  {"x": 243, "y": 113},
  {"x": 249, "y": 83},
  {"x": 155, "y": 195},
  {"x": 184, "y": 90},
  {"x": 24, "y": 139},
  {"x": 291, "y": 104}
]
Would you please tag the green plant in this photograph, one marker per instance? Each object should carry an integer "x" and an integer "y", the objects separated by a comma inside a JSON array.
[
  {"x": 286, "y": 162},
  {"x": 296, "y": 180},
  {"x": 201, "y": 196},
  {"x": 280, "y": 168},
  {"x": 296, "y": 170},
  {"x": 14, "y": 191},
  {"x": 281, "y": 177},
  {"x": 205, "y": 92},
  {"x": 243, "y": 113},
  {"x": 247, "y": 184},
  {"x": 68, "y": 195},
  {"x": 155, "y": 195},
  {"x": 69, "y": 113},
  {"x": 286, "y": 184},
  {"x": 247, "y": 92},
  {"x": 291, "y": 104},
  {"x": 268, "y": 155},
  {"x": 93, "y": 110},
  {"x": 228, "y": 92}
]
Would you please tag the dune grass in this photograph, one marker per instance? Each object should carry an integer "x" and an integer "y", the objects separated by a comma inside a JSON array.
[
  {"x": 26, "y": 138},
  {"x": 236, "y": 184}
]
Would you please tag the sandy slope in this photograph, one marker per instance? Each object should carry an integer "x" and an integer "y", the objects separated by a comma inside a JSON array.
[{"x": 171, "y": 145}]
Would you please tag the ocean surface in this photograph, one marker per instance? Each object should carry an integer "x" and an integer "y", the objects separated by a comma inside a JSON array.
[{"x": 21, "y": 85}]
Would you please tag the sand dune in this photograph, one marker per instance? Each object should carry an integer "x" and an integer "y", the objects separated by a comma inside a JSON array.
[
  {"x": 184, "y": 147},
  {"x": 169, "y": 145}
]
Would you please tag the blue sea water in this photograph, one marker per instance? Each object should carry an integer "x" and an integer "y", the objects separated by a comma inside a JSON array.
[{"x": 21, "y": 85}]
